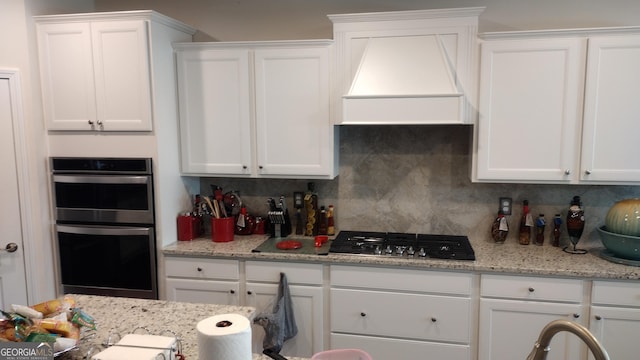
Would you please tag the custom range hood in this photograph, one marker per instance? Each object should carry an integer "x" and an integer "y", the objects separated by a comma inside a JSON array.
[{"x": 407, "y": 67}]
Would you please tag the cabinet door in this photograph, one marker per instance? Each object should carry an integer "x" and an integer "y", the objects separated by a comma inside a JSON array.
[
  {"x": 617, "y": 330},
  {"x": 215, "y": 118},
  {"x": 530, "y": 102},
  {"x": 292, "y": 111},
  {"x": 307, "y": 308},
  {"x": 203, "y": 291},
  {"x": 610, "y": 142},
  {"x": 509, "y": 328},
  {"x": 122, "y": 75},
  {"x": 66, "y": 70}
]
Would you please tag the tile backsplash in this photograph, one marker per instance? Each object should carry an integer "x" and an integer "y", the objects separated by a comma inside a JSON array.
[{"x": 417, "y": 179}]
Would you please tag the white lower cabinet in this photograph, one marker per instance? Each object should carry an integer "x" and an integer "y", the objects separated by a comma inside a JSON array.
[
  {"x": 401, "y": 314},
  {"x": 514, "y": 310},
  {"x": 615, "y": 317},
  {"x": 305, "y": 287},
  {"x": 202, "y": 280}
]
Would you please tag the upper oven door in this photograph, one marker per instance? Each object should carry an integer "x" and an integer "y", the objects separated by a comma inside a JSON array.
[{"x": 124, "y": 199}]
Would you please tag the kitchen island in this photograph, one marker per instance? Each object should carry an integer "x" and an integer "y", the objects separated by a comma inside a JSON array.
[
  {"x": 509, "y": 258},
  {"x": 124, "y": 315}
]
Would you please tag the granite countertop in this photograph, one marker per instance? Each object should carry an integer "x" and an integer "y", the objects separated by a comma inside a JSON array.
[
  {"x": 509, "y": 258},
  {"x": 123, "y": 315}
]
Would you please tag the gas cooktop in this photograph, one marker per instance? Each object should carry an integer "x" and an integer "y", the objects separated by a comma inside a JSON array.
[{"x": 412, "y": 246}]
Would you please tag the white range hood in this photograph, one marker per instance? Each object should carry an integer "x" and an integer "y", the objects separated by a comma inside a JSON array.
[{"x": 408, "y": 67}]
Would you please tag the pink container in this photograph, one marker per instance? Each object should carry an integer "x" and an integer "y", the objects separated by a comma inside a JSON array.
[
  {"x": 342, "y": 354},
  {"x": 222, "y": 229}
]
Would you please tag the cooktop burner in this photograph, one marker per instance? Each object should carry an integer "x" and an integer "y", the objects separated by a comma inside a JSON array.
[{"x": 403, "y": 245}]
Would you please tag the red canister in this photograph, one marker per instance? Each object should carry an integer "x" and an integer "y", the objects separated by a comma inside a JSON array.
[{"x": 187, "y": 227}]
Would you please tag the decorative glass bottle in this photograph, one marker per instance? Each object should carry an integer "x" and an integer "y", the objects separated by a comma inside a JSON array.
[
  {"x": 500, "y": 228},
  {"x": 540, "y": 224},
  {"x": 526, "y": 223}
]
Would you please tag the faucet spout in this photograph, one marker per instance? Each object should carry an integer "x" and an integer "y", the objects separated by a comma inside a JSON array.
[{"x": 541, "y": 347}]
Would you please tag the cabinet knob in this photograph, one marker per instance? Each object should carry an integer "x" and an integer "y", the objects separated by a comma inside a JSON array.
[
  {"x": 199, "y": 268},
  {"x": 598, "y": 317},
  {"x": 90, "y": 122},
  {"x": 575, "y": 315},
  {"x": 232, "y": 291},
  {"x": 99, "y": 122},
  {"x": 433, "y": 319},
  {"x": 249, "y": 292},
  {"x": 244, "y": 167},
  {"x": 363, "y": 314},
  {"x": 587, "y": 172},
  {"x": 531, "y": 289},
  {"x": 260, "y": 167},
  {"x": 567, "y": 172}
]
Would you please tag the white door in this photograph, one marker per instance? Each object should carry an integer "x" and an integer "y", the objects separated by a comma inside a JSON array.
[{"x": 13, "y": 285}]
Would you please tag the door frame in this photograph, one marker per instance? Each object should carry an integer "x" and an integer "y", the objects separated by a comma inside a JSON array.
[{"x": 22, "y": 171}]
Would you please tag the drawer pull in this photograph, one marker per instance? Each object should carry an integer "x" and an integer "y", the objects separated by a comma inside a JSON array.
[
  {"x": 531, "y": 289},
  {"x": 598, "y": 317},
  {"x": 363, "y": 314},
  {"x": 575, "y": 316},
  {"x": 433, "y": 319},
  {"x": 199, "y": 268}
]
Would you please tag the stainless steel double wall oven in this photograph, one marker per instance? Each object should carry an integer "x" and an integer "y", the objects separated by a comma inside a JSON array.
[{"x": 104, "y": 210}]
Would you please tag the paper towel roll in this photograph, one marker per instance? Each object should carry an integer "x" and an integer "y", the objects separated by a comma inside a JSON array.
[{"x": 224, "y": 337}]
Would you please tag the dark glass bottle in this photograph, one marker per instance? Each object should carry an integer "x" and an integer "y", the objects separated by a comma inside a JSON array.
[
  {"x": 322, "y": 221},
  {"x": 557, "y": 221},
  {"x": 526, "y": 222}
]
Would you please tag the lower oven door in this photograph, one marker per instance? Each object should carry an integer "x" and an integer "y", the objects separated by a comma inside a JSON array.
[{"x": 108, "y": 260}]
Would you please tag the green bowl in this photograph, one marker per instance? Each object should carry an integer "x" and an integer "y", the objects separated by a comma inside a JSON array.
[{"x": 624, "y": 246}]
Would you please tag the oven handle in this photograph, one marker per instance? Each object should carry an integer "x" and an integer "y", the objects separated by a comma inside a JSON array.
[
  {"x": 111, "y": 179},
  {"x": 103, "y": 230}
]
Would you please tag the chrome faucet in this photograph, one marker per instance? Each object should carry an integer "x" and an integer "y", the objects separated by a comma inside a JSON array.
[{"x": 541, "y": 347}]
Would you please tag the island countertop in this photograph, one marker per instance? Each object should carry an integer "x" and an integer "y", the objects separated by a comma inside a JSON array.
[
  {"x": 509, "y": 258},
  {"x": 124, "y": 315}
]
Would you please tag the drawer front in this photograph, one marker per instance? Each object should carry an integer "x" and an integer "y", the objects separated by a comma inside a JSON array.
[
  {"x": 202, "y": 268},
  {"x": 401, "y": 279},
  {"x": 297, "y": 273},
  {"x": 616, "y": 293},
  {"x": 413, "y": 316},
  {"x": 398, "y": 349},
  {"x": 531, "y": 288}
]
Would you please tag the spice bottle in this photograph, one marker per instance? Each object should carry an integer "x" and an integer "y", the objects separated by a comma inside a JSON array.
[
  {"x": 557, "y": 222},
  {"x": 331, "y": 227},
  {"x": 500, "y": 228},
  {"x": 526, "y": 223},
  {"x": 540, "y": 224}
]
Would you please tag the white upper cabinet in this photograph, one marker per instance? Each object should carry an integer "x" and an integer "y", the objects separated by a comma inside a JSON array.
[
  {"x": 559, "y": 107},
  {"x": 610, "y": 145},
  {"x": 95, "y": 73},
  {"x": 530, "y": 105},
  {"x": 256, "y": 109}
]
